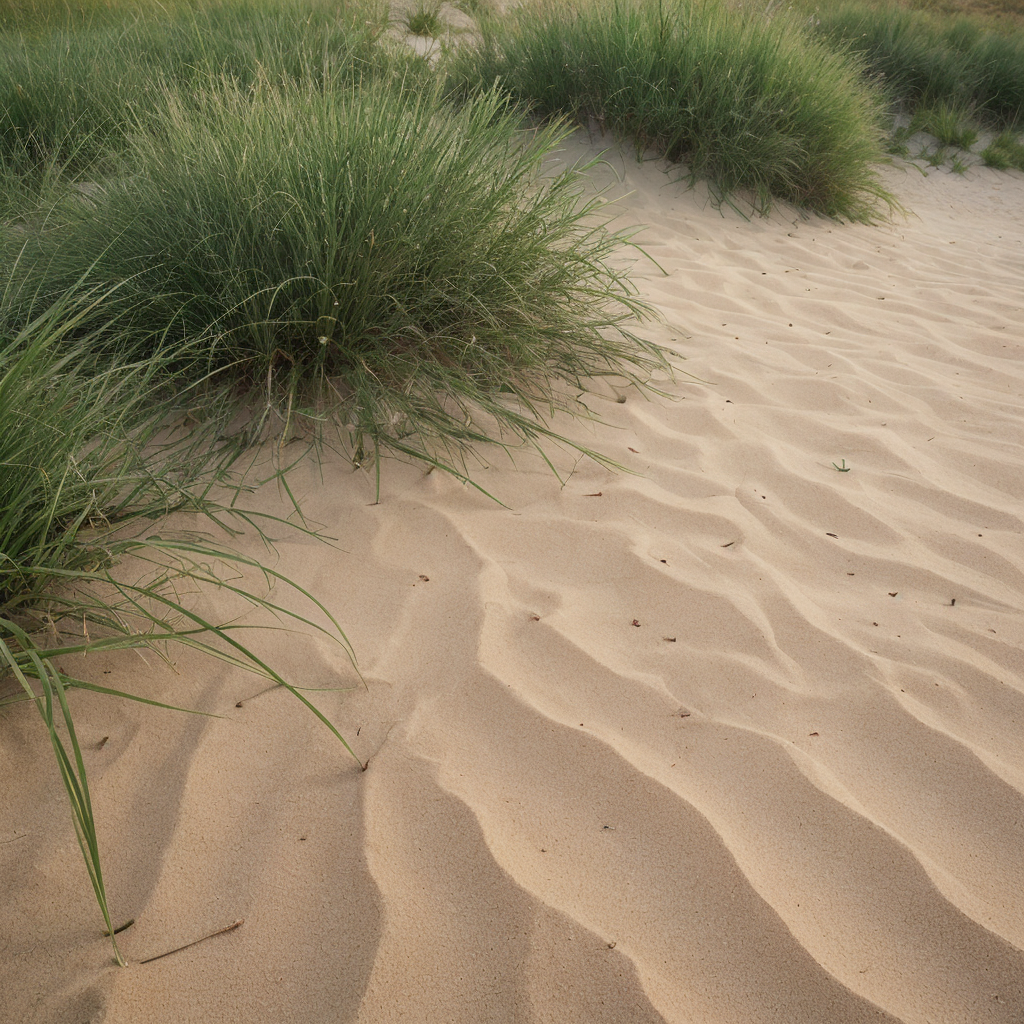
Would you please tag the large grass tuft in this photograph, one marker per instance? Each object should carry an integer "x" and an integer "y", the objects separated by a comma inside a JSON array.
[
  {"x": 375, "y": 249},
  {"x": 748, "y": 103}
]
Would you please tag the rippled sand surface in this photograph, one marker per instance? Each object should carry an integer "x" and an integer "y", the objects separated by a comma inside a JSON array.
[{"x": 734, "y": 738}]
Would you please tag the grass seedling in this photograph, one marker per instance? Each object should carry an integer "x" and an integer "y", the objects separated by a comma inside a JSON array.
[{"x": 844, "y": 468}]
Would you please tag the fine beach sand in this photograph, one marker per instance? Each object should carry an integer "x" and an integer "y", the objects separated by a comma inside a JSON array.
[{"x": 733, "y": 738}]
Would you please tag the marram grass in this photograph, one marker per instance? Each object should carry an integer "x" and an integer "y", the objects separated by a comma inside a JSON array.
[
  {"x": 922, "y": 60},
  {"x": 749, "y": 103},
  {"x": 74, "y": 94},
  {"x": 378, "y": 251}
]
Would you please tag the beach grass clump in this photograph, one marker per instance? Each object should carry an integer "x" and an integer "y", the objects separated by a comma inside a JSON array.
[
  {"x": 73, "y": 94},
  {"x": 1006, "y": 150},
  {"x": 375, "y": 250},
  {"x": 752, "y": 105},
  {"x": 951, "y": 126},
  {"x": 923, "y": 60}
]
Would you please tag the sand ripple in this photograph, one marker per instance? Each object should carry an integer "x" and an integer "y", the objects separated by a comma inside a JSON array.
[{"x": 734, "y": 739}]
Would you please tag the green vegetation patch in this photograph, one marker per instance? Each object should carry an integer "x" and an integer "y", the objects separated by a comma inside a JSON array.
[
  {"x": 202, "y": 206},
  {"x": 1006, "y": 150},
  {"x": 922, "y": 60},
  {"x": 751, "y": 104},
  {"x": 376, "y": 250},
  {"x": 952, "y": 127},
  {"x": 71, "y": 97},
  {"x": 426, "y": 20}
]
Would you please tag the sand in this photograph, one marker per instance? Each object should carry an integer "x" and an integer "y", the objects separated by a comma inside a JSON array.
[{"x": 731, "y": 738}]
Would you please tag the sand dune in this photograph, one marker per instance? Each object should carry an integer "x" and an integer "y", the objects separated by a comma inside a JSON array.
[{"x": 731, "y": 738}]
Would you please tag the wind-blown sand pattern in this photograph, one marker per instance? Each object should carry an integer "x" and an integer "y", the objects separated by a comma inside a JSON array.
[{"x": 733, "y": 740}]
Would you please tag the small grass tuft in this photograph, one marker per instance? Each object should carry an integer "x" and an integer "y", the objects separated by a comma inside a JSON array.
[
  {"x": 952, "y": 126},
  {"x": 1006, "y": 150},
  {"x": 426, "y": 21}
]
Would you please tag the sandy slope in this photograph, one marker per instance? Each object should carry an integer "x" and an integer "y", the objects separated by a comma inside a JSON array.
[{"x": 735, "y": 739}]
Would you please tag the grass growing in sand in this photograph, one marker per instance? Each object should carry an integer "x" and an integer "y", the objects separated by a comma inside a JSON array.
[
  {"x": 74, "y": 94},
  {"x": 88, "y": 457},
  {"x": 273, "y": 205},
  {"x": 1006, "y": 150},
  {"x": 425, "y": 20},
  {"x": 375, "y": 251},
  {"x": 202, "y": 201},
  {"x": 751, "y": 104}
]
